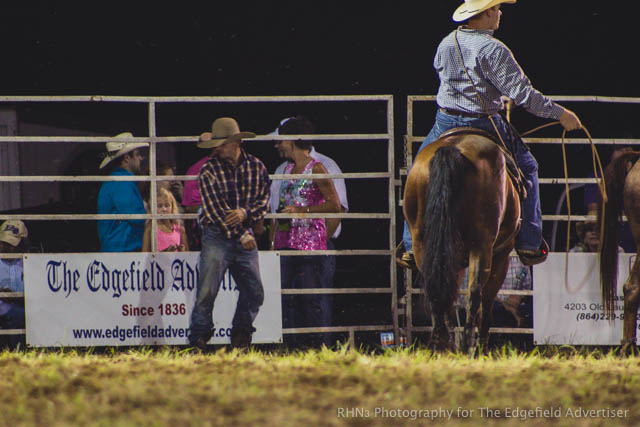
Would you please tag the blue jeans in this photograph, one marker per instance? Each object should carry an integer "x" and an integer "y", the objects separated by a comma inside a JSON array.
[
  {"x": 530, "y": 235},
  {"x": 14, "y": 319},
  {"x": 299, "y": 311},
  {"x": 219, "y": 254}
]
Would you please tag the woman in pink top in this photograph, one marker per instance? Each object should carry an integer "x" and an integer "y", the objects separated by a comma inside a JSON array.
[
  {"x": 316, "y": 195},
  {"x": 171, "y": 233}
]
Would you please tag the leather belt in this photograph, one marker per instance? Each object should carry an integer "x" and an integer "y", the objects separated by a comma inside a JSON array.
[{"x": 461, "y": 113}]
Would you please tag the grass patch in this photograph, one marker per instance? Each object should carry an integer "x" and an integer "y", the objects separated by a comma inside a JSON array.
[{"x": 177, "y": 387}]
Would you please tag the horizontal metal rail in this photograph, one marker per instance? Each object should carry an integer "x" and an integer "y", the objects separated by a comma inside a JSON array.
[
  {"x": 169, "y": 99},
  {"x": 524, "y": 331},
  {"x": 317, "y": 329},
  {"x": 11, "y": 294},
  {"x": 145, "y": 178},
  {"x": 88, "y": 217},
  {"x": 191, "y": 139},
  {"x": 500, "y": 292},
  {"x": 340, "y": 291},
  {"x": 571, "y": 98},
  {"x": 570, "y": 141}
]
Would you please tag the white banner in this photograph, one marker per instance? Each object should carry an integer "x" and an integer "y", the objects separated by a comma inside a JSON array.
[
  {"x": 572, "y": 312},
  {"x": 110, "y": 299}
]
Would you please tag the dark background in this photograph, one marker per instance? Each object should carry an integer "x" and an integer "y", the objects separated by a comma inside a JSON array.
[
  {"x": 307, "y": 48},
  {"x": 286, "y": 47},
  {"x": 352, "y": 47},
  {"x": 302, "y": 48}
]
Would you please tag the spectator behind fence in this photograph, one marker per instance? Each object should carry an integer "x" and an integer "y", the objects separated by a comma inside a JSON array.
[
  {"x": 304, "y": 196},
  {"x": 234, "y": 187},
  {"x": 13, "y": 239},
  {"x": 191, "y": 200},
  {"x": 175, "y": 187},
  {"x": 171, "y": 235},
  {"x": 588, "y": 232},
  {"x": 592, "y": 199},
  {"x": 121, "y": 197}
]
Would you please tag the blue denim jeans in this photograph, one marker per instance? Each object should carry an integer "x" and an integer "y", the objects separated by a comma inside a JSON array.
[
  {"x": 219, "y": 254},
  {"x": 300, "y": 311},
  {"x": 530, "y": 235},
  {"x": 14, "y": 319}
]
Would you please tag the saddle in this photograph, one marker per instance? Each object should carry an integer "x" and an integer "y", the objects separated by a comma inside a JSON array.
[{"x": 516, "y": 175}]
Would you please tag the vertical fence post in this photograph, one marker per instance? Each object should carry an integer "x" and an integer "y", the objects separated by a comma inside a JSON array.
[{"x": 152, "y": 173}]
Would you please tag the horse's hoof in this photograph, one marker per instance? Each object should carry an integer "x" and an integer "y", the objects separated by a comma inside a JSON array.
[{"x": 628, "y": 348}]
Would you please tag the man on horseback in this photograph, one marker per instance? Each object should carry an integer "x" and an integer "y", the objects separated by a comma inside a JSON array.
[{"x": 475, "y": 71}]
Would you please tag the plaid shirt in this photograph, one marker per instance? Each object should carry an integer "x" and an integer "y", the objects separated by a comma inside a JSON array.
[
  {"x": 494, "y": 72},
  {"x": 224, "y": 187}
]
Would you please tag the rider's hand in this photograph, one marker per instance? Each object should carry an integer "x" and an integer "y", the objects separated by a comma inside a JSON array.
[{"x": 569, "y": 120}]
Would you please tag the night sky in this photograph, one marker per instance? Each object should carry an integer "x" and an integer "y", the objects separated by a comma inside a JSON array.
[{"x": 285, "y": 47}]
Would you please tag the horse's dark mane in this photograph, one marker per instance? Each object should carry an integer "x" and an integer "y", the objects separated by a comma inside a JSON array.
[
  {"x": 615, "y": 175},
  {"x": 441, "y": 238}
]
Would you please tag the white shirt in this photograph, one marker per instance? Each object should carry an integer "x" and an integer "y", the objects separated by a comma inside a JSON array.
[{"x": 331, "y": 166}]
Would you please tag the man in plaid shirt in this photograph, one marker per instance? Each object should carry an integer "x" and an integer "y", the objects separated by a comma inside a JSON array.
[
  {"x": 234, "y": 187},
  {"x": 476, "y": 72}
]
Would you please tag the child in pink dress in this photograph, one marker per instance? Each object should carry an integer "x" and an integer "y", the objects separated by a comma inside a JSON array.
[{"x": 171, "y": 233}]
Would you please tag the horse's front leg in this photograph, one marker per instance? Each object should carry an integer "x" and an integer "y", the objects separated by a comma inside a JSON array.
[{"x": 631, "y": 290}]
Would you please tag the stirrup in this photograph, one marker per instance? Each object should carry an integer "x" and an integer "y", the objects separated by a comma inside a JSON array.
[
  {"x": 404, "y": 259},
  {"x": 531, "y": 257}
]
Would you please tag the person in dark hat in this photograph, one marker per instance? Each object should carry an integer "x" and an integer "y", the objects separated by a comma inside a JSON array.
[
  {"x": 13, "y": 239},
  {"x": 234, "y": 187},
  {"x": 121, "y": 197},
  {"x": 476, "y": 70}
]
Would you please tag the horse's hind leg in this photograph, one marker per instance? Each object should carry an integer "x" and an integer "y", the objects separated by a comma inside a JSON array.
[
  {"x": 499, "y": 269},
  {"x": 440, "y": 335},
  {"x": 479, "y": 267},
  {"x": 631, "y": 291}
]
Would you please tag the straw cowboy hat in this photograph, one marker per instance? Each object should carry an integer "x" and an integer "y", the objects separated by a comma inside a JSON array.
[
  {"x": 116, "y": 149},
  {"x": 473, "y": 7},
  {"x": 223, "y": 130},
  {"x": 12, "y": 232}
]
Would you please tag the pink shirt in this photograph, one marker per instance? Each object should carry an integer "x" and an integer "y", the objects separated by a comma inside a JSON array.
[
  {"x": 191, "y": 192},
  {"x": 306, "y": 234},
  {"x": 168, "y": 239}
]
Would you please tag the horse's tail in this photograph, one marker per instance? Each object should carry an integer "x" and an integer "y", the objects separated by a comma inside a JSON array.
[
  {"x": 615, "y": 176},
  {"x": 441, "y": 237}
]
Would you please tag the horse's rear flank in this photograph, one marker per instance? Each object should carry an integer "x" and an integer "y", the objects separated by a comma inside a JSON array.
[{"x": 457, "y": 197}]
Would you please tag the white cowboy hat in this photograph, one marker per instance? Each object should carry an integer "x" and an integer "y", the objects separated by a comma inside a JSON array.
[
  {"x": 12, "y": 232},
  {"x": 473, "y": 7},
  {"x": 116, "y": 149},
  {"x": 277, "y": 130},
  {"x": 223, "y": 130}
]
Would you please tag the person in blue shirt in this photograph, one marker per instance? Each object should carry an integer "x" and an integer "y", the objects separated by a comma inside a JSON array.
[
  {"x": 121, "y": 197},
  {"x": 13, "y": 239}
]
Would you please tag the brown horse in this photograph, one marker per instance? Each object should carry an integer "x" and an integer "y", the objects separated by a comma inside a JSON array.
[
  {"x": 622, "y": 179},
  {"x": 462, "y": 210}
]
